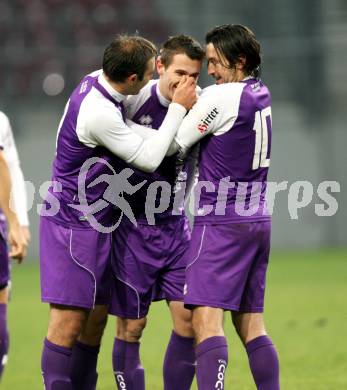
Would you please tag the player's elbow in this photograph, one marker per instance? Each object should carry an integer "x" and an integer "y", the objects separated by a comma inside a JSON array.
[
  {"x": 150, "y": 167},
  {"x": 146, "y": 165}
]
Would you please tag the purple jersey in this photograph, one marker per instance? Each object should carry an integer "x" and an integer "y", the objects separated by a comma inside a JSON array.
[
  {"x": 233, "y": 121},
  {"x": 71, "y": 154},
  {"x": 149, "y": 108}
]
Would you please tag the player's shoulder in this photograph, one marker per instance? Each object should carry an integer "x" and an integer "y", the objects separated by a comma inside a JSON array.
[
  {"x": 226, "y": 88},
  {"x": 95, "y": 73},
  {"x": 3, "y": 118},
  {"x": 223, "y": 95},
  {"x": 133, "y": 102},
  {"x": 4, "y": 122},
  {"x": 144, "y": 93}
]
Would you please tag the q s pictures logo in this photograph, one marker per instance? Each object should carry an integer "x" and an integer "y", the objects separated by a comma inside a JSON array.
[{"x": 204, "y": 123}]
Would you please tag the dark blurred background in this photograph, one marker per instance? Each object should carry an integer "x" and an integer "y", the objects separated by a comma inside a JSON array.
[{"x": 47, "y": 46}]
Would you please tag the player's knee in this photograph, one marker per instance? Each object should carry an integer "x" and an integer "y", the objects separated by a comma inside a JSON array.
[
  {"x": 65, "y": 327},
  {"x": 94, "y": 330},
  {"x": 4, "y": 295},
  {"x": 248, "y": 325},
  {"x": 99, "y": 322},
  {"x": 130, "y": 330},
  {"x": 183, "y": 326},
  {"x": 204, "y": 328}
]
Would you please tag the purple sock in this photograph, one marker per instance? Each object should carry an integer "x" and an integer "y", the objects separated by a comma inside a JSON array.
[
  {"x": 128, "y": 372},
  {"x": 83, "y": 366},
  {"x": 4, "y": 337},
  {"x": 212, "y": 361},
  {"x": 263, "y": 361},
  {"x": 55, "y": 365},
  {"x": 179, "y": 363}
]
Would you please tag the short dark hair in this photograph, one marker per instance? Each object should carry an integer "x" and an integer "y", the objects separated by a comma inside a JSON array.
[
  {"x": 234, "y": 41},
  {"x": 127, "y": 55},
  {"x": 181, "y": 44}
]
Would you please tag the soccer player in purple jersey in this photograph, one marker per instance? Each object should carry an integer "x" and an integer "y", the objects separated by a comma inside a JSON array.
[
  {"x": 74, "y": 256},
  {"x": 148, "y": 263},
  {"x": 229, "y": 250},
  {"x": 11, "y": 178}
]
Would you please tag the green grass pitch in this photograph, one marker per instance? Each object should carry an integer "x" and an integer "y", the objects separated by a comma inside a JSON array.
[{"x": 306, "y": 315}]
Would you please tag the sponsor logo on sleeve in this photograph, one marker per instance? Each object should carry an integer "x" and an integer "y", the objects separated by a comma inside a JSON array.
[
  {"x": 83, "y": 87},
  {"x": 204, "y": 123}
]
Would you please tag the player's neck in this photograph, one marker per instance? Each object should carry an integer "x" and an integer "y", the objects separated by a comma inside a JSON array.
[
  {"x": 118, "y": 87},
  {"x": 162, "y": 92}
]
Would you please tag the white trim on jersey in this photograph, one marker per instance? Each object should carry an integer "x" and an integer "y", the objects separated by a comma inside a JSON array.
[
  {"x": 100, "y": 122},
  {"x": 136, "y": 292},
  {"x": 18, "y": 193},
  {"x": 199, "y": 251},
  {"x": 83, "y": 267}
]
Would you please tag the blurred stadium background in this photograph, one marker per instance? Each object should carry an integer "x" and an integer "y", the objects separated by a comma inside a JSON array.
[{"x": 47, "y": 46}]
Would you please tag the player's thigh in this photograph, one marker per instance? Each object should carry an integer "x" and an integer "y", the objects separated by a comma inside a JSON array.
[
  {"x": 129, "y": 329},
  {"x": 171, "y": 279},
  {"x": 220, "y": 257},
  {"x": 93, "y": 331},
  {"x": 74, "y": 265},
  {"x": 136, "y": 263},
  {"x": 252, "y": 300}
]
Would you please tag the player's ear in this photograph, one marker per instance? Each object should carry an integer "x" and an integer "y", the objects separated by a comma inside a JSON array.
[
  {"x": 160, "y": 66},
  {"x": 132, "y": 79},
  {"x": 241, "y": 63}
]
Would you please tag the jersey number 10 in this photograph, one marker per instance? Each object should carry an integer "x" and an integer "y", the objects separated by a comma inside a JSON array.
[{"x": 262, "y": 128}]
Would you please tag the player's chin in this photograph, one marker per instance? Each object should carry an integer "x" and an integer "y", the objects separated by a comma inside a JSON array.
[{"x": 219, "y": 81}]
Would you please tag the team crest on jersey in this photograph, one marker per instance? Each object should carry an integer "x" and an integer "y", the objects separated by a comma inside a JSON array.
[
  {"x": 146, "y": 120},
  {"x": 255, "y": 87},
  {"x": 204, "y": 123},
  {"x": 84, "y": 86}
]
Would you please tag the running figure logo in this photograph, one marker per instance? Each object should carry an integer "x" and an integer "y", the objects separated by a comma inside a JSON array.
[{"x": 118, "y": 184}]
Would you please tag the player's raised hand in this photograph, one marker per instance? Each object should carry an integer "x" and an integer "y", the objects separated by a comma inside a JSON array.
[
  {"x": 18, "y": 245},
  {"x": 185, "y": 93}
]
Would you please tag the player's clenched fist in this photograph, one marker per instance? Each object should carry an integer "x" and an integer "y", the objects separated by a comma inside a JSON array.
[{"x": 185, "y": 93}]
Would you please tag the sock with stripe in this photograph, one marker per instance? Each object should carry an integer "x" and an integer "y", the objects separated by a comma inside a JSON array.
[{"x": 128, "y": 372}]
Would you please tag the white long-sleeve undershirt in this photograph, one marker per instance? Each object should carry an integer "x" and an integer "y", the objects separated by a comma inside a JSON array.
[
  {"x": 100, "y": 122},
  {"x": 8, "y": 145}
]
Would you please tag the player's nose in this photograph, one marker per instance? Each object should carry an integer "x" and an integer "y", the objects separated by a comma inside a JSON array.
[{"x": 210, "y": 69}]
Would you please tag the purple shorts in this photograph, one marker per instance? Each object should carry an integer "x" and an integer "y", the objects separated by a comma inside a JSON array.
[
  {"x": 4, "y": 259},
  {"x": 227, "y": 266},
  {"x": 75, "y": 265},
  {"x": 148, "y": 265}
]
